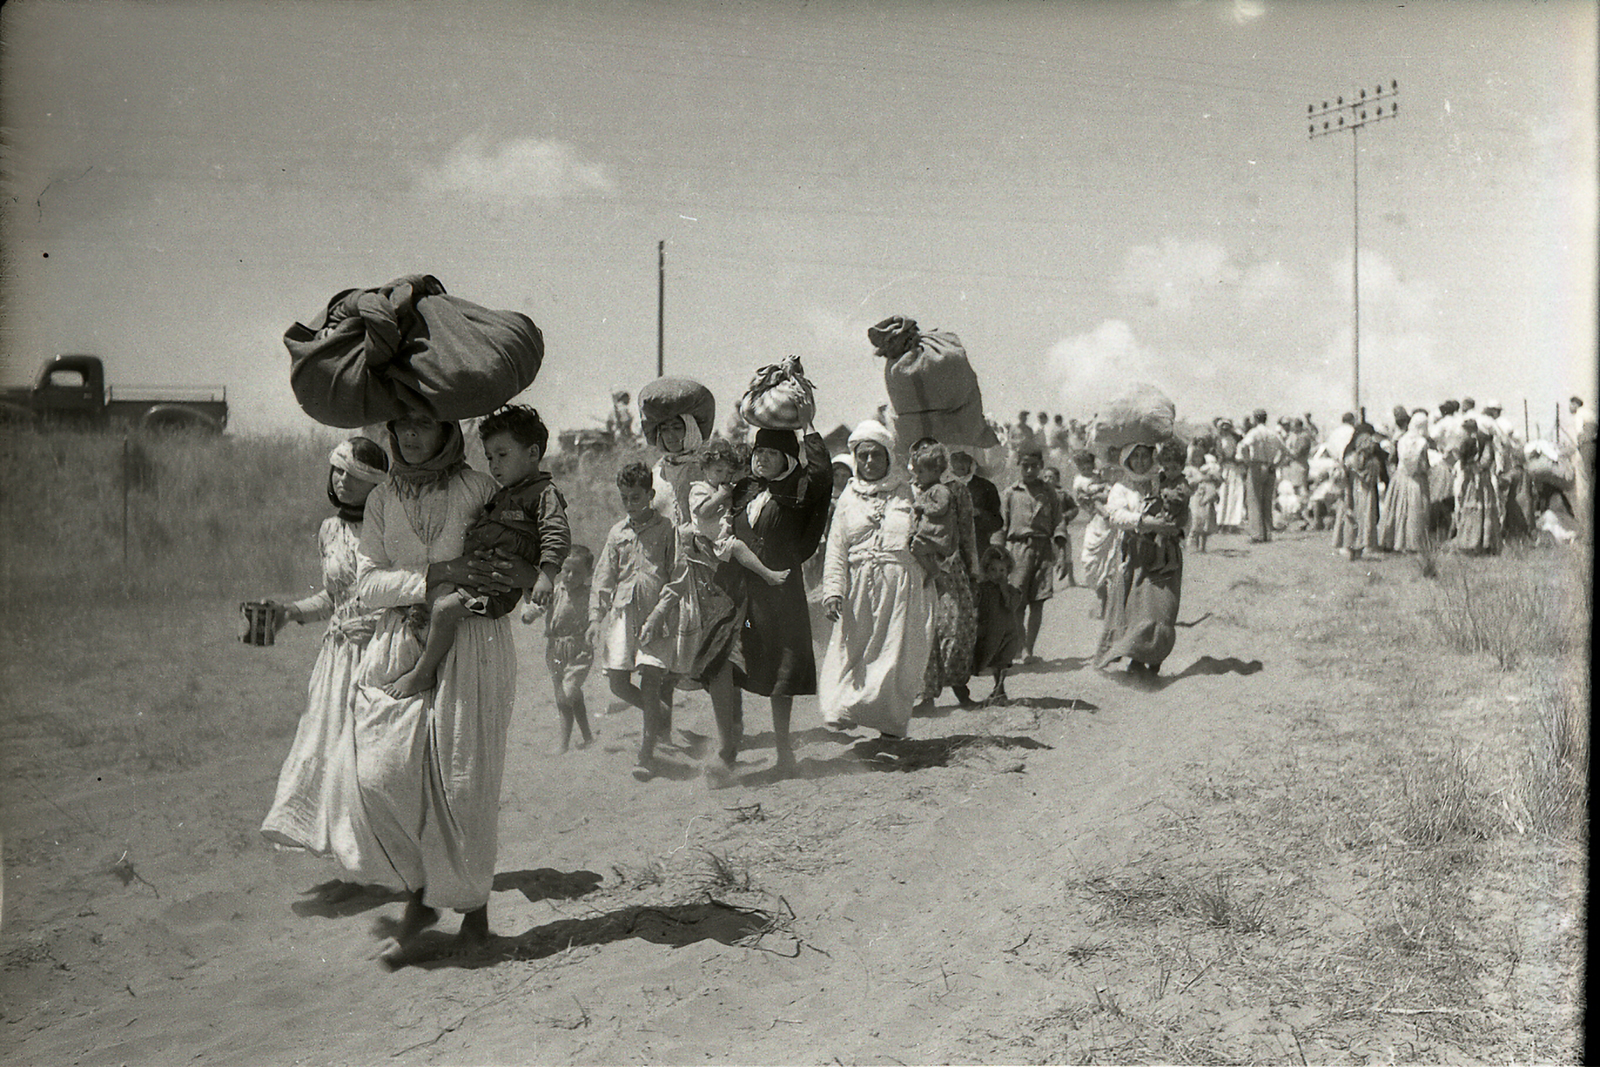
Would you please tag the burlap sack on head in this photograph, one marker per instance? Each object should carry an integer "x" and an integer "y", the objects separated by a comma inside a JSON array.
[
  {"x": 1143, "y": 415},
  {"x": 372, "y": 355},
  {"x": 780, "y": 397},
  {"x": 670, "y": 397},
  {"x": 933, "y": 390}
]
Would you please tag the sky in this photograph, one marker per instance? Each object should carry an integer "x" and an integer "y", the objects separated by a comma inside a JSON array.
[{"x": 1087, "y": 194}]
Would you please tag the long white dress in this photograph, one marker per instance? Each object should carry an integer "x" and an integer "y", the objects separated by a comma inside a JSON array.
[
  {"x": 316, "y": 807},
  {"x": 872, "y": 670},
  {"x": 429, "y": 766}
]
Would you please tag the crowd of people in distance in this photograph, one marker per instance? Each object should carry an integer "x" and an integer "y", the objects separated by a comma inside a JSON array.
[{"x": 728, "y": 550}]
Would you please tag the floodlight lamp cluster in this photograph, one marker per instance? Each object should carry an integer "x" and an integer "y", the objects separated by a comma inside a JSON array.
[{"x": 1360, "y": 109}]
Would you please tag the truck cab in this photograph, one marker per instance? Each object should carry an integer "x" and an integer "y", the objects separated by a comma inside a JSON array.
[{"x": 71, "y": 386}]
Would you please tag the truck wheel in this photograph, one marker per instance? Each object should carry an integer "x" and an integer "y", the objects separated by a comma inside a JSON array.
[{"x": 175, "y": 418}]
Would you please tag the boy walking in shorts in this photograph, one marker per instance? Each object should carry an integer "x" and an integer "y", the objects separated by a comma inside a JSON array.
[{"x": 1031, "y": 512}]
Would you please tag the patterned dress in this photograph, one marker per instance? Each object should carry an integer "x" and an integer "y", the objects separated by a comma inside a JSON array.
[
  {"x": 316, "y": 798},
  {"x": 955, "y": 613}
]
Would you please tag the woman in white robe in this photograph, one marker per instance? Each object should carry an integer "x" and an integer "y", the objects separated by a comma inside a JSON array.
[
  {"x": 316, "y": 807},
  {"x": 874, "y": 590},
  {"x": 429, "y": 766}
]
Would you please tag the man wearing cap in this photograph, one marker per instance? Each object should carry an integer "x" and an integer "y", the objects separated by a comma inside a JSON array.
[{"x": 1261, "y": 451}]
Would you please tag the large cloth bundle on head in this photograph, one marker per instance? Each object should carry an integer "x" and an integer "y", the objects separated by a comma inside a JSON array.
[
  {"x": 668, "y": 398},
  {"x": 372, "y": 355},
  {"x": 932, "y": 388},
  {"x": 779, "y": 397},
  {"x": 1141, "y": 416}
]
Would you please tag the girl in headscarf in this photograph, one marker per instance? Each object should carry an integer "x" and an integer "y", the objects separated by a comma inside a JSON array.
[
  {"x": 1146, "y": 575},
  {"x": 316, "y": 797},
  {"x": 1403, "y": 515},
  {"x": 779, "y": 511},
  {"x": 429, "y": 765},
  {"x": 679, "y": 467},
  {"x": 873, "y": 588},
  {"x": 1366, "y": 473},
  {"x": 954, "y": 568}
]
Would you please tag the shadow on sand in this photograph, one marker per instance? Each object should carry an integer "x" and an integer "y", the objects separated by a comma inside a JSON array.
[
  {"x": 1205, "y": 665},
  {"x": 672, "y": 924},
  {"x": 339, "y": 900}
]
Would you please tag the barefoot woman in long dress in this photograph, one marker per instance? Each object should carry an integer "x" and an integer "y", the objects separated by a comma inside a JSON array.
[{"x": 429, "y": 766}]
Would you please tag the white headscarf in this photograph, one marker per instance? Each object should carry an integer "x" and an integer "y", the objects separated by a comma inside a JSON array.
[{"x": 871, "y": 430}]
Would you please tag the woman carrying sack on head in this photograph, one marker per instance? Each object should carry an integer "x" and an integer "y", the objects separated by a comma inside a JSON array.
[{"x": 1145, "y": 580}]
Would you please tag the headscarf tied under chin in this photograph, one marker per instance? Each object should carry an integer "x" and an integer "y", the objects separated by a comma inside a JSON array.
[
  {"x": 344, "y": 458},
  {"x": 875, "y": 432},
  {"x": 787, "y": 445},
  {"x": 410, "y": 480},
  {"x": 692, "y": 440},
  {"x": 1148, "y": 476}
]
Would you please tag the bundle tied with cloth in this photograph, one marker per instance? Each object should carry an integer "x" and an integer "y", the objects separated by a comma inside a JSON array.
[
  {"x": 1143, "y": 415},
  {"x": 780, "y": 397},
  {"x": 372, "y": 355},
  {"x": 672, "y": 398},
  {"x": 933, "y": 390}
]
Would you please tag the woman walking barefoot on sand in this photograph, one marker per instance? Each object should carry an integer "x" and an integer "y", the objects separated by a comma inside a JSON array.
[
  {"x": 429, "y": 765},
  {"x": 316, "y": 799},
  {"x": 873, "y": 589}
]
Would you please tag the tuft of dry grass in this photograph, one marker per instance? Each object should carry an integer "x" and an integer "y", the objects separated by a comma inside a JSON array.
[{"x": 722, "y": 873}]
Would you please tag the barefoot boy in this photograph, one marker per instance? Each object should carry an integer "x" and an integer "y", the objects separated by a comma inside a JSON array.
[
  {"x": 568, "y": 653},
  {"x": 527, "y": 517},
  {"x": 633, "y": 567},
  {"x": 1032, "y": 511}
]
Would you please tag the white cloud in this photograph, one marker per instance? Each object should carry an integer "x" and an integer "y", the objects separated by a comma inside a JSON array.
[
  {"x": 1170, "y": 276},
  {"x": 519, "y": 171}
]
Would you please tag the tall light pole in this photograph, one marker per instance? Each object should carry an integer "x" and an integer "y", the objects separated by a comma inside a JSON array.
[
  {"x": 661, "y": 308},
  {"x": 1351, "y": 113}
]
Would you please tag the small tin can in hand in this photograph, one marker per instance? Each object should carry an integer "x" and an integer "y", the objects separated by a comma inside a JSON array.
[{"x": 259, "y": 625}]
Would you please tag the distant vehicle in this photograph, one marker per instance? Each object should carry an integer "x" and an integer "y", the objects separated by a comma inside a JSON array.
[{"x": 72, "y": 390}]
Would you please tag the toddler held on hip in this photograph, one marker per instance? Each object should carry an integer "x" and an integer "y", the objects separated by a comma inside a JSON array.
[{"x": 526, "y": 517}]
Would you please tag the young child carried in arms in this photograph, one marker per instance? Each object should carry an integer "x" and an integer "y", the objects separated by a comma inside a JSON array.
[
  {"x": 634, "y": 565},
  {"x": 568, "y": 652},
  {"x": 999, "y": 631},
  {"x": 709, "y": 500},
  {"x": 527, "y": 517},
  {"x": 933, "y": 533}
]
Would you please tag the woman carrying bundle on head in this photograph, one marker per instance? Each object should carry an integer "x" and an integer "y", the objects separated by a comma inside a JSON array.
[{"x": 1148, "y": 510}]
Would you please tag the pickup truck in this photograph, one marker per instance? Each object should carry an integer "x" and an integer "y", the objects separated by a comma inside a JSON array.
[{"x": 72, "y": 389}]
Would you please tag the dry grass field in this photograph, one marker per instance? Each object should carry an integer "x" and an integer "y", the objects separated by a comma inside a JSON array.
[{"x": 1349, "y": 824}]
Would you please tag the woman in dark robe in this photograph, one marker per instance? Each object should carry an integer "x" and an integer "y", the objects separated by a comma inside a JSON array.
[
  {"x": 780, "y": 511},
  {"x": 1146, "y": 573}
]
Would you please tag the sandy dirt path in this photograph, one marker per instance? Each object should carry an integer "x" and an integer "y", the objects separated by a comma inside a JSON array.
[{"x": 902, "y": 911}]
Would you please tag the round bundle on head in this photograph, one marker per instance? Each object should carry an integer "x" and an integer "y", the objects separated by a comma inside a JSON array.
[
  {"x": 668, "y": 398},
  {"x": 1142, "y": 415},
  {"x": 780, "y": 397},
  {"x": 371, "y": 355}
]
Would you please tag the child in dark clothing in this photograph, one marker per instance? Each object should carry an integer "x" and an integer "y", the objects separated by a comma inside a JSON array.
[
  {"x": 999, "y": 637},
  {"x": 526, "y": 517}
]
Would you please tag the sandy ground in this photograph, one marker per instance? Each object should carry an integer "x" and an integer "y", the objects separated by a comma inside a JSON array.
[{"x": 924, "y": 907}]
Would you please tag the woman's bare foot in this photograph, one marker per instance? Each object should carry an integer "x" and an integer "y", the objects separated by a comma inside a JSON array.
[
  {"x": 474, "y": 933},
  {"x": 409, "y": 684}
]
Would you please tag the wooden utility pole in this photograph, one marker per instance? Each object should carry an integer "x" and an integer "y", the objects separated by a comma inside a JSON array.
[
  {"x": 661, "y": 308},
  {"x": 1352, "y": 114}
]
